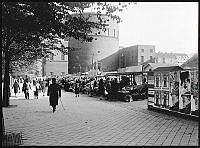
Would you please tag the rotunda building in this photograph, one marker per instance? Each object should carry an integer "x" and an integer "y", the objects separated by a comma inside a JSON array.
[{"x": 88, "y": 54}]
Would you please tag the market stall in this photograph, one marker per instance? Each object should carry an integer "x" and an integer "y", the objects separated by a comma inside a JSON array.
[{"x": 175, "y": 89}]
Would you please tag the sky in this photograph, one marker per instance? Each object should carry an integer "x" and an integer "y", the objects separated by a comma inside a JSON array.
[{"x": 170, "y": 26}]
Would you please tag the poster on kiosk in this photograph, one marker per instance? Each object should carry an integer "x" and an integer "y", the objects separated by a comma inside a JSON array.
[
  {"x": 185, "y": 92},
  {"x": 174, "y": 90},
  {"x": 194, "y": 93}
]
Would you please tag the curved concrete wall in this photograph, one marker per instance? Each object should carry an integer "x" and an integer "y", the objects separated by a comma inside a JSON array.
[{"x": 106, "y": 44}]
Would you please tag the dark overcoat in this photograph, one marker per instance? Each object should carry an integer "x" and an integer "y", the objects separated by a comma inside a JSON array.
[
  {"x": 54, "y": 92},
  {"x": 76, "y": 88}
]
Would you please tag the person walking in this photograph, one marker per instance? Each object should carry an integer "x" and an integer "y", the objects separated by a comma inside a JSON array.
[
  {"x": 36, "y": 89},
  {"x": 43, "y": 87},
  {"x": 54, "y": 93},
  {"x": 25, "y": 88},
  {"x": 101, "y": 89},
  {"x": 77, "y": 88},
  {"x": 16, "y": 87}
]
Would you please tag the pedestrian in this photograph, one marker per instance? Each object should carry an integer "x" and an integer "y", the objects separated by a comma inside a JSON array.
[
  {"x": 36, "y": 88},
  {"x": 16, "y": 87},
  {"x": 43, "y": 87},
  {"x": 25, "y": 88},
  {"x": 54, "y": 93},
  {"x": 77, "y": 89},
  {"x": 101, "y": 89}
]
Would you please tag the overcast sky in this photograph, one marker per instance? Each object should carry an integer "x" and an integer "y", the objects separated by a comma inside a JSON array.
[{"x": 171, "y": 27}]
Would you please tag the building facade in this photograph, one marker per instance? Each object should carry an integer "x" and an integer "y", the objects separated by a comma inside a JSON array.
[
  {"x": 128, "y": 56},
  {"x": 56, "y": 63},
  {"x": 88, "y": 53},
  {"x": 110, "y": 63},
  {"x": 171, "y": 58},
  {"x": 135, "y": 55}
]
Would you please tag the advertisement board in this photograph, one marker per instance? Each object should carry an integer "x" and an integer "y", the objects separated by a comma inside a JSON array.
[
  {"x": 194, "y": 93},
  {"x": 174, "y": 90},
  {"x": 157, "y": 97},
  {"x": 165, "y": 99},
  {"x": 185, "y": 92}
]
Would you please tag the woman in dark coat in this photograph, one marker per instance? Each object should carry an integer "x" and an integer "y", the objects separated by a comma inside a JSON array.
[
  {"x": 54, "y": 92},
  {"x": 16, "y": 87},
  {"x": 101, "y": 88},
  {"x": 76, "y": 89}
]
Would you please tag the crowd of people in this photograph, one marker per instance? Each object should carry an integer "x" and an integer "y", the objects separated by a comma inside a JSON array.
[
  {"x": 25, "y": 85},
  {"x": 105, "y": 88}
]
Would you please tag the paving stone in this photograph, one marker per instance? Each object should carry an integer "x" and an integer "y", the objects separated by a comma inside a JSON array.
[{"x": 90, "y": 121}]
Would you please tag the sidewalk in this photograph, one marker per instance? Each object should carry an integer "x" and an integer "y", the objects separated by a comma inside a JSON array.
[{"x": 89, "y": 121}]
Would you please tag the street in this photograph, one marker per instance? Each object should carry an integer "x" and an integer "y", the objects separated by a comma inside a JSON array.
[{"x": 90, "y": 121}]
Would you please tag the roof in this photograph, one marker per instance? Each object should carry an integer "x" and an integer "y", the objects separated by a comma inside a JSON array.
[
  {"x": 156, "y": 65},
  {"x": 134, "y": 68},
  {"x": 191, "y": 63},
  {"x": 169, "y": 68}
]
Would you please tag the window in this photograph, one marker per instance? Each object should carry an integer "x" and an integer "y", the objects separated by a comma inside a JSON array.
[
  {"x": 114, "y": 32},
  {"x": 142, "y": 50},
  {"x": 62, "y": 56},
  {"x": 142, "y": 58},
  {"x": 151, "y": 50}
]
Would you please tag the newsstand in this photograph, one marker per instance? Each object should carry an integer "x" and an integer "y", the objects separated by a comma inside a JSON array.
[{"x": 175, "y": 91}]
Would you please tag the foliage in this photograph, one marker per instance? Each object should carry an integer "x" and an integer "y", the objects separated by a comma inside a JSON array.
[{"x": 25, "y": 26}]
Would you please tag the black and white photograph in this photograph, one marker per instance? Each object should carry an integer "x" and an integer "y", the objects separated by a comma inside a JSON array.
[{"x": 77, "y": 73}]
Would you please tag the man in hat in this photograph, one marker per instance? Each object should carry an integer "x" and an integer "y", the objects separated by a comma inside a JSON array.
[{"x": 54, "y": 93}]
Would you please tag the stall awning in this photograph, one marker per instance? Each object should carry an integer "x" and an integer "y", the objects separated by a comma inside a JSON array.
[
  {"x": 130, "y": 69},
  {"x": 134, "y": 68}
]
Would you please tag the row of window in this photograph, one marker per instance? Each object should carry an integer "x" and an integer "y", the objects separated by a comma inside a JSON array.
[
  {"x": 142, "y": 50},
  {"x": 142, "y": 58}
]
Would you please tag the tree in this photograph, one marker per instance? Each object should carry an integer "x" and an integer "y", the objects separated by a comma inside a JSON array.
[{"x": 25, "y": 25}]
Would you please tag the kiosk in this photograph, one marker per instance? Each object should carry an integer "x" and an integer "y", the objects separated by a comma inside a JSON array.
[{"x": 175, "y": 89}]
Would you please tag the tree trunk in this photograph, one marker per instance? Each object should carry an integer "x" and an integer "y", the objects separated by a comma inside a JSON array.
[
  {"x": 1, "y": 111},
  {"x": 6, "y": 86}
]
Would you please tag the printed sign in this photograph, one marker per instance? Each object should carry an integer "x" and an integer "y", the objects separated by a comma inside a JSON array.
[
  {"x": 185, "y": 92},
  {"x": 157, "y": 98},
  {"x": 194, "y": 92},
  {"x": 174, "y": 90},
  {"x": 165, "y": 99}
]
